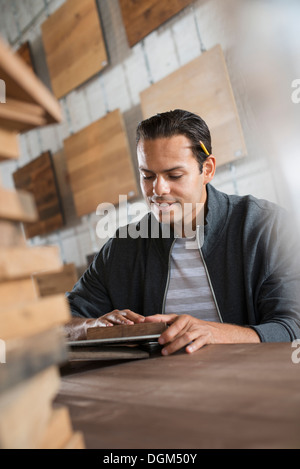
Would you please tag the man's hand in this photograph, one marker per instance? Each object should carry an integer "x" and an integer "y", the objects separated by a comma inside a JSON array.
[
  {"x": 192, "y": 333},
  {"x": 76, "y": 329}
]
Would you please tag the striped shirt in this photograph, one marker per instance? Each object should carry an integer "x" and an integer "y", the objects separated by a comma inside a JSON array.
[{"x": 189, "y": 291}]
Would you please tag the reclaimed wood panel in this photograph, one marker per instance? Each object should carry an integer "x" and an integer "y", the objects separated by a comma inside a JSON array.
[
  {"x": 121, "y": 331},
  {"x": 202, "y": 86},
  {"x": 74, "y": 45},
  {"x": 141, "y": 18},
  {"x": 38, "y": 178},
  {"x": 99, "y": 164},
  {"x": 23, "y": 88}
]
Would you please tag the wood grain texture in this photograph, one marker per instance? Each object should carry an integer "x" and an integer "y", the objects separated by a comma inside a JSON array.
[
  {"x": 38, "y": 178},
  {"x": 106, "y": 353},
  {"x": 16, "y": 292},
  {"x": 20, "y": 262},
  {"x": 99, "y": 164},
  {"x": 28, "y": 102},
  {"x": 34, "y": 317},
  {"x": 11, "y": 234},
  {"x": 53, "y": 283},
  {"x": 133, "y": 330},
  {"x": 59, "y": 430},
  {"x": 142, "y": 17},
  {"x": 223, "y": 396},
  {"x": 30, "y": 355},
  {"x": 17, "y": 206},
  {"x": 203, "y": 87},
  {"x": 74, "y": 45}
]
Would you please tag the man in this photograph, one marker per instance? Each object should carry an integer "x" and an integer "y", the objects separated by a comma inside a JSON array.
[{"x": 234, "y": 282}]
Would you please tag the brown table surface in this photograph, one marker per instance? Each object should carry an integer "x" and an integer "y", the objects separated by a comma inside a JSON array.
[{"x": 223, "y": 396}]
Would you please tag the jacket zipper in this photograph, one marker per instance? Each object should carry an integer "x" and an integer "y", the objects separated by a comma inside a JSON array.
[{"x": 168, "y": 279}]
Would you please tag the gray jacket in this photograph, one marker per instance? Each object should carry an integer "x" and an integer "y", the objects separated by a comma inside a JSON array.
[{"x": 250, "y": 258}]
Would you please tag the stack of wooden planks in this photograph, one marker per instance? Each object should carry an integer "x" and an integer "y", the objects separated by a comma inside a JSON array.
[{"x": 32, "y": 343}]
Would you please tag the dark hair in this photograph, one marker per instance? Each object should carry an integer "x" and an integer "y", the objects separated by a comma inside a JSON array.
[{"x": 177, "y": 122}]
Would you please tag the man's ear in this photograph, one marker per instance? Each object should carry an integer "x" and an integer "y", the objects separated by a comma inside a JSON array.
[{"x": 209, "y": 168}]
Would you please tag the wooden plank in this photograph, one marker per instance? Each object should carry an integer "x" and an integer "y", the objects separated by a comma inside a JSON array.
[
  {"x": 99, "y": 164},
  {"x": 202, "y": 86},
  {"x": 141, "y": 18},
  {"x": 16, "y": 292},
  {"x": 17, "y": 205},
  {"x": 24, "y": 51},
  {"x": 34, "y": 317},
  {"x": 26, "y": 409},
  {"x": 9, "y": 144},
  {"x": 106, "y": 353},
  {"x": 11, "y": 234},
  {"x": 20, "y": 116},
  {"x": 74, "y": 45},
  {"x": 38, "y": 177},
  {"x": 59, "y": 430},
  {"x": 19, "y": 262},
  {"x": 133, "y": 330},
  {"x": 23, "y": 85},
  {"x": 53, "y": 283},
  {"x": 27, "y": 356}
]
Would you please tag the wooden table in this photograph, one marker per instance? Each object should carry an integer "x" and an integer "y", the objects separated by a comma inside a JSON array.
[{"x": 223, "y": 396}]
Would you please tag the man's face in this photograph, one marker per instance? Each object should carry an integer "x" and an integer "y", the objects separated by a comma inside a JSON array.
[{"x": 170, "y": 179}]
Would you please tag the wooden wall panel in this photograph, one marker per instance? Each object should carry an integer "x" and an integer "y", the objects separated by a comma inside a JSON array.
[
  {"x": 38, "y": 178},
  {"x": 74, "y": 45},
  {"x": 202, "y": 86},
  {"x": 143, "y": 17},
  {"x": 99, "y": 164}
]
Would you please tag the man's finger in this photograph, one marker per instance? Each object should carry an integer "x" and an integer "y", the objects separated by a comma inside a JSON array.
[{"x": 168, "y": 318}]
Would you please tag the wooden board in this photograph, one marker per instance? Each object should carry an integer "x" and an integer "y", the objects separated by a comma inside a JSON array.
[
  {"x": 74, "y": 45},
  {"x": 26, "y": 409},
  {"x": 24, "y": 51},
  {"x": 203, "y": 87},
  {"x": 17, "y": 205},
  {"x": 21, "y": 262},
  {"x": 99, "y": 164},
  {"x": 28, "y": 102},
  {"x": 11, "y": 234},
  {"x": 53, "y": 283},
  {"x": 9, "y": 145},
  {"x": 34, "y": 317},
  {"x": 25, "y": 357},
  {"x": 141, "y": 18},
  {"x": 17, "y": 292},
  {"x": 106, "y": 353},
  {"x": 38, "y": 178},
  {"x": 133, "y": 330}
]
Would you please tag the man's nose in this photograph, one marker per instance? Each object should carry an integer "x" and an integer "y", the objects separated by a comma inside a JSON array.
[{"x": 160, "y": 186}]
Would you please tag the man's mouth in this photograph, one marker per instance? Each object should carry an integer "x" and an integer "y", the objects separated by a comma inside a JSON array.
[{"x": 163, "y": 205}]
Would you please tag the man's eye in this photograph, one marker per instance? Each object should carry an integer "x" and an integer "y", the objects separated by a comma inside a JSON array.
[
  {"x": 175, "y": 177},
  {"x": 146, "y": 178}
]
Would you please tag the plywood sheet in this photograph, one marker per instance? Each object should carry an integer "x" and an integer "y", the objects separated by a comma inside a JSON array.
[
  {"x": 99, "y": 164},
  {"x": 74, "y": 45},
  {"x": 28, "y": 102},
  {"x": 202, "y": 86},
  {"x": 38, "y": 178},
  {"x": 143, "y": 17},
  {"x": 9, "y": 145}
]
